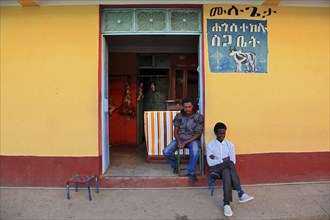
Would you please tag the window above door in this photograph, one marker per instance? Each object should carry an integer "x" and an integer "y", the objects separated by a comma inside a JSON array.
[{"x": 151, "y": 20}]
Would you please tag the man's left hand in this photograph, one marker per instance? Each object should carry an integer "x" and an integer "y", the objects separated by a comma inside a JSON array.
[{"x": 225, "y": 159}]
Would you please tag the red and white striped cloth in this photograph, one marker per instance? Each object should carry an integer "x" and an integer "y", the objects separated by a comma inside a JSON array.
[{"x": 158, "y": 129}]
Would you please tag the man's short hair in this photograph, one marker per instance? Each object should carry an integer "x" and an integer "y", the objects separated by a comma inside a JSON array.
[
  {"x": 187, "y": 100},
  {"x": 218, "y": 126}
]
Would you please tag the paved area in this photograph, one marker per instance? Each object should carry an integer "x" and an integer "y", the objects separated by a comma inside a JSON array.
[
  {"x": 283, "y": 201},
  {"x": 131, "y": 161}
]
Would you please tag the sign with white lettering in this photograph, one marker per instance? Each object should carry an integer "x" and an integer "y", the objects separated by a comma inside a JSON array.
[{"x": 237, "y": 45}]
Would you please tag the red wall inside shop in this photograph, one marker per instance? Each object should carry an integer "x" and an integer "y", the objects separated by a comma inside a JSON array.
[{"x": 122, "y": 69}]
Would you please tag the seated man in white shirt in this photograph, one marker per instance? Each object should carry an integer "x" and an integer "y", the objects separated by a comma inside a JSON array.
[{"x": 221, "y": 159}]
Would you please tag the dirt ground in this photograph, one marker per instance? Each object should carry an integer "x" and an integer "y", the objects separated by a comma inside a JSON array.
[{"x": 288, "y": 201}]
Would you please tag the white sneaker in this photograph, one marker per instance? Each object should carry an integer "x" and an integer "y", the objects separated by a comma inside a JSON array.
[
  {"x": 227, "y": 211},
  {"x": 245, "y": 198}
]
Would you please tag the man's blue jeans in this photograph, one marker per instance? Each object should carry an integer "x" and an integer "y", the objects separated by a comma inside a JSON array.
[{"x": 194, "y": 150}]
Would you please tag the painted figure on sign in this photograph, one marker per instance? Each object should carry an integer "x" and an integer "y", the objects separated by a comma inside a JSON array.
[{"x": 247, "y": 58}]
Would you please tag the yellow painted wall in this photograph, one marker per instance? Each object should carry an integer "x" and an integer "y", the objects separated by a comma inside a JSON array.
[
  {"x": 49, "y": 81},
  {"x": 49, "y": 84},
  {"x": 286, "y": 110}
]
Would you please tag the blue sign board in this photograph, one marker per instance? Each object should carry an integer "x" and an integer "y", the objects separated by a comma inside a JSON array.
[{"x": 237, "y": 45}]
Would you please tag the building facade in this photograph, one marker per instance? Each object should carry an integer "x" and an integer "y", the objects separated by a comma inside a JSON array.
[{"x": 73, "y": 77}]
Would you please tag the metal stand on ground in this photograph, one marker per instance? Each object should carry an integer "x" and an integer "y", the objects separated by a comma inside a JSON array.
[{"x": 82, "y": 178}]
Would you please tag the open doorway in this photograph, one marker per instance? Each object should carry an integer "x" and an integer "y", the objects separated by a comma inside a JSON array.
[{"x": 151, "y": 71}]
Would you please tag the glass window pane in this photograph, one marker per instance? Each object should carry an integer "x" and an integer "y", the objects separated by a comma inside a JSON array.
[
  {"x": 184, "y": 21},
  {"x": 151, "y": 20},
  {"x": 192, "y": 85},
  {"x": 145, "y": 61},
  {"x": 118, "y": 20},
  {"x": 162, "y": 61},
  {"x": 179, "y": 84}
]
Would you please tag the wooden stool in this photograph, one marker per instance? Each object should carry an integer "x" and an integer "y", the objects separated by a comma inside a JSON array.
[
  {"x": 82, "y": 178},
  {"x": 199, "y": 162}
]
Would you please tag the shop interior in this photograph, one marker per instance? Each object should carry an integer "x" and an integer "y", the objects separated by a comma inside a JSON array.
[{"x": 146, "y": 73}]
